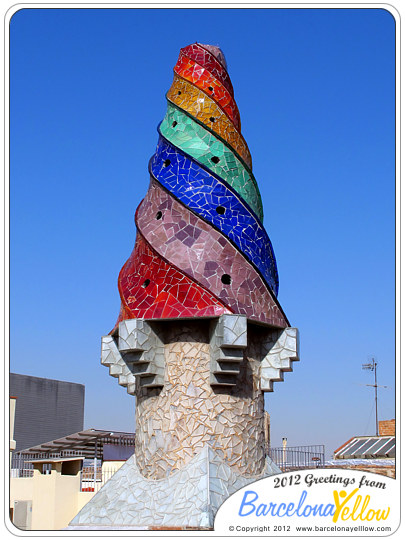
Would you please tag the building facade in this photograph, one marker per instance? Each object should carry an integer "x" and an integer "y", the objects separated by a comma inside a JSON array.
[{"x": 45, "y": 409}]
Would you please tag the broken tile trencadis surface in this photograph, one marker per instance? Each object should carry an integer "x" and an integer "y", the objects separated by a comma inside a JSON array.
[{"x": 201, "y": 247}]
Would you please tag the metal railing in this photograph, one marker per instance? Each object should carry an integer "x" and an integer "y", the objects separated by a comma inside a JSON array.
[
  {"x": 21, "y": 468},
  {"x": 92, "y": 481},
  {"x": 298, "y": 457},
  {"x": 92, "y": 478}
]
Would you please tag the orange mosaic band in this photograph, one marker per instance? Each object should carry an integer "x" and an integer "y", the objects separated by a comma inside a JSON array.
[
  {"x": 191, "y": 71},
  {"x": 206, "y": 111}
]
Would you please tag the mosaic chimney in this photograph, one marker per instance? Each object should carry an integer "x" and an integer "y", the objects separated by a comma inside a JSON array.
[{"x": 200, "y": 335}]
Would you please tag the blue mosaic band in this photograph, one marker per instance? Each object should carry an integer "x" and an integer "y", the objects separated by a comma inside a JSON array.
[{"x": 209, "y": 197}]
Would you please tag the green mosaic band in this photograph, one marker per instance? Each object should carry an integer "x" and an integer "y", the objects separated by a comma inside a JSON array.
[{"x": 203, "y": 146}]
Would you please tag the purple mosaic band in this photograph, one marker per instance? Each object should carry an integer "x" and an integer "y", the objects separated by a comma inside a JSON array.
[{"x": 202, "y": 253}]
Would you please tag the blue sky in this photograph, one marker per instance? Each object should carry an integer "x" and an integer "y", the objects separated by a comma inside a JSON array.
[{"x": 315, "y": 89}]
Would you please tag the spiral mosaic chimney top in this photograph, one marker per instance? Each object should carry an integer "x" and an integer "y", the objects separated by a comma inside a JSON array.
[
  {"x": 201, "y": 248},
  {"x": 200, "y": 336}
]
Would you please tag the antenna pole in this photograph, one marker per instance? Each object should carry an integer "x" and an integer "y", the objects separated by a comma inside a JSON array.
[
  {"x": 376, "y": 407},
  {"x": 373, "y": 367}
]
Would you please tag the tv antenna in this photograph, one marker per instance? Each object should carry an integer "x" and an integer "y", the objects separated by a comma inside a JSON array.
[{"x": 372, "y": 366}]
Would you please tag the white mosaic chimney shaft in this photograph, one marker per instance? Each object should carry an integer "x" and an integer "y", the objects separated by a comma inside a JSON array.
[{"x": 199, "y": 382}]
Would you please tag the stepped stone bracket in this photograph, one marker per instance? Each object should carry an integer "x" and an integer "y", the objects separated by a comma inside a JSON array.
[
  {"x": 111, "y": 357},
  {"x": 281, "y": 349},
  {"x": 228, "y": 340},
  {"x": 134, "y": 351}
]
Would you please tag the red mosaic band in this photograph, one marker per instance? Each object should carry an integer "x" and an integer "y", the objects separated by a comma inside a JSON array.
[
  {"x": 207, "y": 60},
  {"x": 150, "y": 288}
]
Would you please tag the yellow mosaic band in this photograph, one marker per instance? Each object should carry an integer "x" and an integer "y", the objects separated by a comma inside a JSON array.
[{"x": 205, "y": 110}]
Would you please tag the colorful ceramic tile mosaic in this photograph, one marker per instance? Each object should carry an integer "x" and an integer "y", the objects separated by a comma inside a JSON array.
[
  {"x": 202, "y": 253},
  {"x": 200, "y": 335},
  {"x": 201, "y": 248},
  {"x": 209, "y": 197},
  {"x": 206, "y": 59},
  {"x": 154, "y": 289},
  {"x": 203, "y": 109},
  {"x": 202, "y": 145},
  {"x": 191, "y": 71}
]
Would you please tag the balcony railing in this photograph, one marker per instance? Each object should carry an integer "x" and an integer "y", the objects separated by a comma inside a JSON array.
[{"x": 293, "y": 458}]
